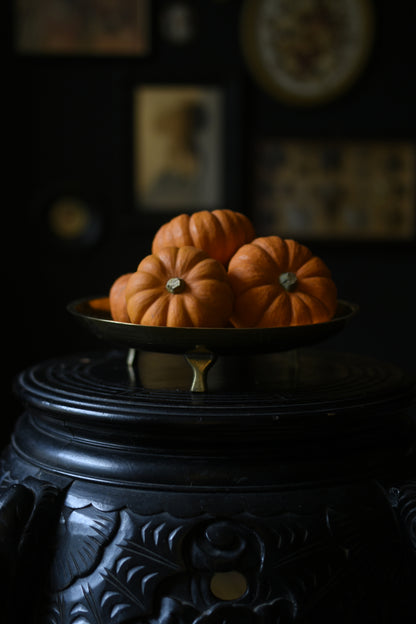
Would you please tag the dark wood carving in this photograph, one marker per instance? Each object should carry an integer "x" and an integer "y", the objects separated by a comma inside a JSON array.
[{"x": 104, "y": 520}]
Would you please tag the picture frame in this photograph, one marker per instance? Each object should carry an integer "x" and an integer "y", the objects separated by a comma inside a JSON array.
[
  {"x": 306, "y": 53},
  {"x": 336, "y": 190},
  {"x": 179, "y": 147},
  {"x": 87, "y": 28}
]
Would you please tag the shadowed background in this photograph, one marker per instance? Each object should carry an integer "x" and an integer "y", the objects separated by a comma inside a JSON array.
[{"x": 70, "y": 136}]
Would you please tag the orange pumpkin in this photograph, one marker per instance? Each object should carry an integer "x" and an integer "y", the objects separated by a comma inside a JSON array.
[
  {"x": 117, "y": 298},
  {"x": 279, "y": 282},
  {"x": 219, "y": 233},
  {"x": 102, "y": 304},
  {"x": 179, "y": 287}
]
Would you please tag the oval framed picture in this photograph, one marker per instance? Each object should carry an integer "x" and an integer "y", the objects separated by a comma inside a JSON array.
[{"x": 306, "y": 52}]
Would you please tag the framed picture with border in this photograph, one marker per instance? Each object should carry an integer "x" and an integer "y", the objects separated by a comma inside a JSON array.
[
  {"x": 341, "y": 190},
  {"x": 179, "y": 147},
  {"x": 87, "y": 28},
  {"x": 308, "y": 52}
]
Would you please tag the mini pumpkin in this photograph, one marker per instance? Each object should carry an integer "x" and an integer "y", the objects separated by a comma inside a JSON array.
[
  {"x": 179, "y": 287},
  {"x": 117, "y": 298},
  {"x": 102, "y": 304},
  {"x": 219, "y": 233},
  {"x": 280, "y": 282}
]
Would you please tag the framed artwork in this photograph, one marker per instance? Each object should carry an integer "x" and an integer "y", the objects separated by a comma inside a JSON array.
[
  {"x": 336, "y": 190},
  {"x": 178, "y": 147},
  {"x": 309, "y": 51},
  {"x": 179, "y": 22},
  {"x": 82, "y": 27}
]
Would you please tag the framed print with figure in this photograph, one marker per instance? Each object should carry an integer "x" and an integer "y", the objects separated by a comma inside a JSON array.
[{"x": 178, "y": 147}]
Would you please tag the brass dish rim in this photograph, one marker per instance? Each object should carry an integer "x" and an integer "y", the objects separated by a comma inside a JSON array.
[{"x": 222, "y": 340}]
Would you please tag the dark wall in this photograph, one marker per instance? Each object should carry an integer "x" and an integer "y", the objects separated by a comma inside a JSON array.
[{"x": 70, "y": 127}]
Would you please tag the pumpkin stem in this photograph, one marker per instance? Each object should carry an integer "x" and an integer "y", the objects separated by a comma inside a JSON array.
[
  {"x": 288, "y": 280},
  {"x": 175, "y": 285}
]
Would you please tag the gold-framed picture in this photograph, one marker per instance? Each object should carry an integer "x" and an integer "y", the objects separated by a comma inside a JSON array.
[
  {"x": 85, "y": 28},
  {"x": 178, "y": 147},
  {"x": 342, "y": 190},
  {"x": 306, "y": 52}
]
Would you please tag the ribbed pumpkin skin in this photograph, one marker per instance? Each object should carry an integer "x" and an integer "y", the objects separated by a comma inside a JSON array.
[
  {"x": 260, "y": 298},
  {"x": 219, "y": 233},
  {"x": 117, "y": 297},
  {"x": 205, "y": 301}
]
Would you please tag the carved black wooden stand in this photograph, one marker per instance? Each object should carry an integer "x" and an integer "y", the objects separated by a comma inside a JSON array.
[{"x": 286, "y": 493}]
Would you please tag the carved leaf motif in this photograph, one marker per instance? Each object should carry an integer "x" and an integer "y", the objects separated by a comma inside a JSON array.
[
  {"x": 146, "y": 558},
  {"x": 173, "y": 611},
  {"x": 78, "y": 608},
  {"x": 407, "y": 510},
  {"x": 118, "y": 608},
  {"x": 95, "y": 615},
  {"x": 82, "y": 537},
  {"x": 306, "y": 562},
  {"x": 54, "y": 613}
]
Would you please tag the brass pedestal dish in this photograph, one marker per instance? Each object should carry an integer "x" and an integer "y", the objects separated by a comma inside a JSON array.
[{"x": 201, "y": 346}]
